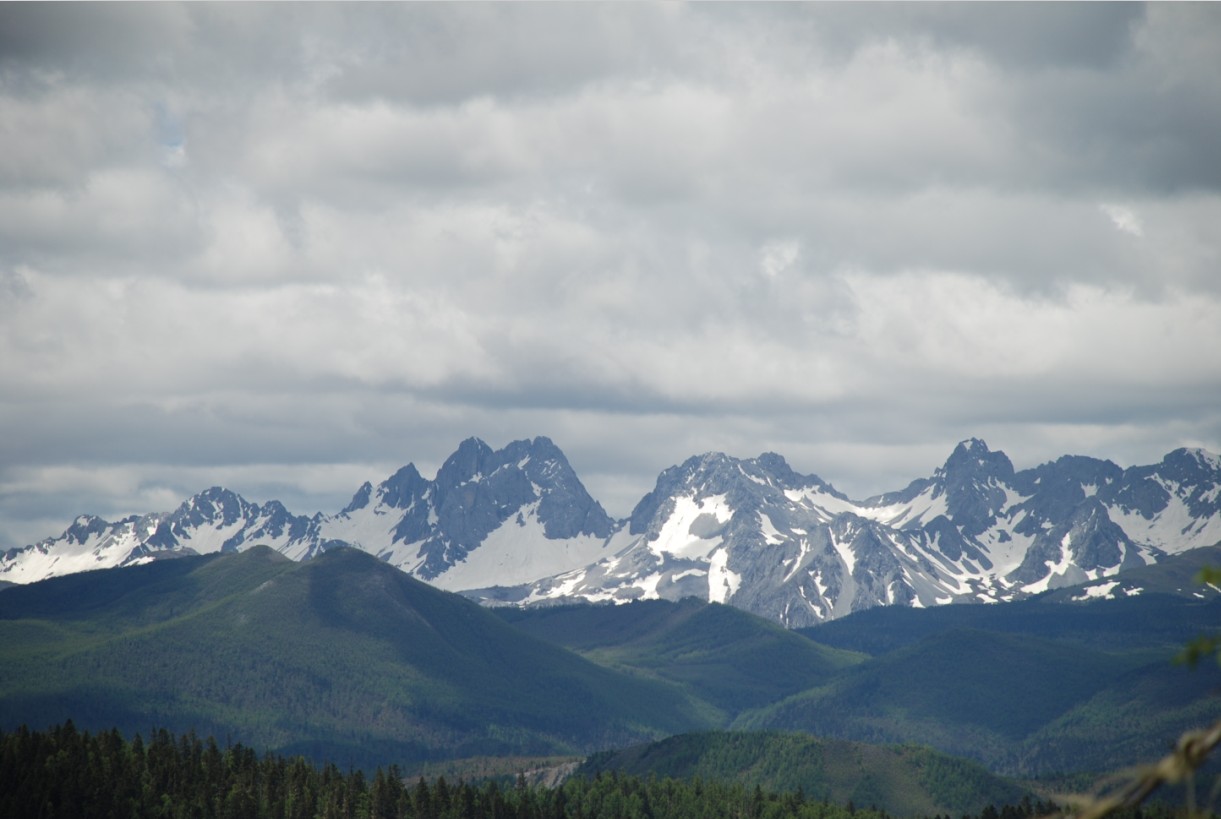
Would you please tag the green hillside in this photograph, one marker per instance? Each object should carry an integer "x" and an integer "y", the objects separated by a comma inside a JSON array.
[
  {"x": 1153, "y": 620},
  {"x": 65, "y": 772},
  {"x": 341, "y": 657},
  {"x": 722, "y": 655},
  {"x": 901, "y": 780},
  {"x": 346, "y": 658},
  {"x": 1023, "y": 705}
]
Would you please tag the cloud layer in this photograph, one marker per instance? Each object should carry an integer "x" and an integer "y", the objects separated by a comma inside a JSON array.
[{"x": 286, "y": 248}]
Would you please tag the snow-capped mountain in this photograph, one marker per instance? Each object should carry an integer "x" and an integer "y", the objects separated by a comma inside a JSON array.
[
  {"x": 757, "y": 535},
  {"x": 516, "y": 526},
  {"x": 509, "y": 516}
]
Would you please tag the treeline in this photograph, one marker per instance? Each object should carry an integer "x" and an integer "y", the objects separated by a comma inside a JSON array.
[{"x": 64, "y": 772}]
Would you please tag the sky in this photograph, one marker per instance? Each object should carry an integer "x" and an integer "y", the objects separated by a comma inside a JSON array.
[{"x": 289, "y": 248}]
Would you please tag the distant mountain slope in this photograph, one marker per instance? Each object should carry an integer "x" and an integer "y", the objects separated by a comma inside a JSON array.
[
  {"x": 342, "y": 657},
  {"x": 1030, "y": 688},
  {"x": 903, "y": 781},
  {"x": 515, "y": 526},
  {"x": 1160, "y": 606},
  {"x": 724, "y": 656},
  {"x": 1176, "y": 575}
]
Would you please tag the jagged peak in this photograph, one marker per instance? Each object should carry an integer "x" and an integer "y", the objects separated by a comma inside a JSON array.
[
  {"x": 773, "y": 461},
  {"x": 977, "y": 445},
  {"x": 472, "y": 446},
  {"x": 360, "y": 499},
  {"x": 1199, "y": 455},
  {"x": 215, "y": 496},
  {"x": 540, "y": 449},
  {"x": 397, "y": 491},
  {"x": 542, "y": 442},
  {"x": 84, "y": 526},
  {"x": 709, "y": 459},
  {"x": 216, "y": 491},
  {"x": 973, "y": 454},
  {"x": 464, "y": 463}
]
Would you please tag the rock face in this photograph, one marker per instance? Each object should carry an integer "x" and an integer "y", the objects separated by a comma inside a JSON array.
[
  {"x": 516, "y": 526},
  {"x": 757, "y": 535},
  {"x": 509, "y": 516}
]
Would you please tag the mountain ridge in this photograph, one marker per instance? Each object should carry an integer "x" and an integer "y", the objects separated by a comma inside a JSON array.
[
  {"x": 791, "y": 548},
  {"x": 516, "y": 526},
  {"x": 343, "y": 655}
]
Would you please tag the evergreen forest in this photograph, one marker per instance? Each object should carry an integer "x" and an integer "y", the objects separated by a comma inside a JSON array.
[{"x": 66, "y": 772}]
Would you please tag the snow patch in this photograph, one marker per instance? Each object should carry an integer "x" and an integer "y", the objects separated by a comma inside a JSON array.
[
  {"x": 771, "y": 534},
  {"x": 683, "y": 535},
  {"x": 1103, "y": 591},
  {"x": 845, "y": 554},
  {"x": 1173, "y": 529},
  {"x": 515, "y": 553},
  {"x": 722, "y": 583},
  {"x": 1055, "y": 568}
]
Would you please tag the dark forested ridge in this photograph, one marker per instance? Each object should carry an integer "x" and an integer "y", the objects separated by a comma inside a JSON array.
[
  {"x": 898, "y": 779},
  {"x": 346, "y": 658},
  {"x": 342, "y": 657},
  {"x": 64, "y": 772},
  {"x": 724, "y": 656},
  {"x": 1029, "y": 688}
]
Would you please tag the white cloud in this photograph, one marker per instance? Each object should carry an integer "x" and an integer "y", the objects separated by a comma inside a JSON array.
[
  {"x": 777, "y": 257},
  {"x": 1124, "y": 219},
  {"x": 236, "y": 241}
]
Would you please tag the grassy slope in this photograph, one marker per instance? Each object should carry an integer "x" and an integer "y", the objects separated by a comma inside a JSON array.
[{"x": 342, "y": 656}]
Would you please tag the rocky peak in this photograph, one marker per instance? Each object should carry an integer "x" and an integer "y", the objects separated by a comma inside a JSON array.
[
  {"x": 467, "y": 461},
  {"x": 1191, "y": 465},
  {"x": 216, "y": 505},
  {"x": 972, "y": 459},
  {"x": 972, "y": 481},
  {"x": 83, "y": 527},
  {"x": 398, "y": 491},
  {"x": 1055, "y": 489},
  {"x": 359, "y": 500}
]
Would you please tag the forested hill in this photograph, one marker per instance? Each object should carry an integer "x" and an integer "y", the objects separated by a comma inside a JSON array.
[
  {"x": 341, "y": 657},
  {"x": 898, "y": 779},
  {"x": 70, "y": 773}
]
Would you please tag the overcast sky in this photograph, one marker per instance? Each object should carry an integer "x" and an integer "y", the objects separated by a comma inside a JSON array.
[{"x": 289, "y": 248}]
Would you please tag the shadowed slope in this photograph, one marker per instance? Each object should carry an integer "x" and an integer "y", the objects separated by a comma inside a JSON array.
[{"x": 343, "y": 656}]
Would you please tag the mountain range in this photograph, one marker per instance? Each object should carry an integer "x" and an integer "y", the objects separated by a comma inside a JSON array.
[
  {"x": 345, "y": 658},
  {"x": 516, "y": 526}
]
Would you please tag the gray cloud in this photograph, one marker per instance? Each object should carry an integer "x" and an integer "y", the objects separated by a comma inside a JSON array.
[{"x": 290, "y": 247}]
